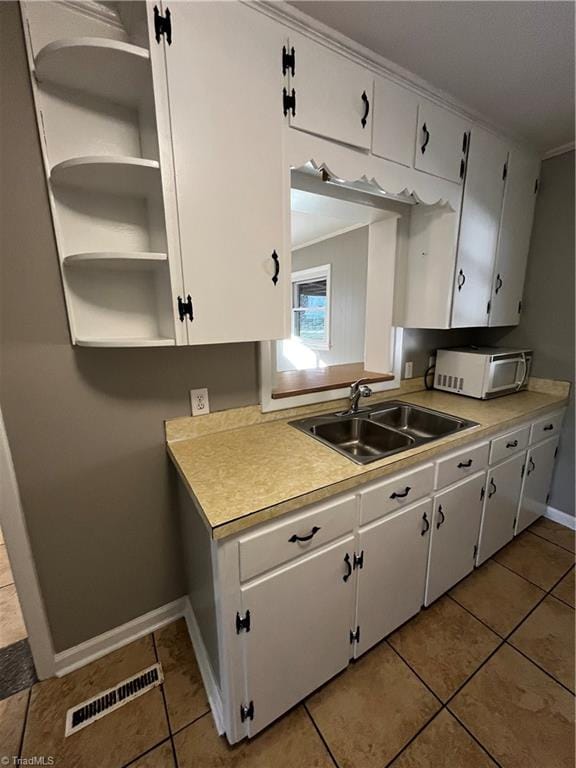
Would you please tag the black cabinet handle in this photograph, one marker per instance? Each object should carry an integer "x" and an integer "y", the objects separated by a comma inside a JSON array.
[
  {"x": 492, "y": 490},
  {"x": 366, "y": 109},
  {"x": 548, "y": 427},
  {"x": 276, "y": 261},
  {"x": 499, "y": 283},
  {"x": 426, "y": 523},
  {"x": 426, "y": 133},
  {"x": 309, "y": 536},
  {"x": 348, "y": 566},
  {"x": 531, "y": 466},
  {"x": 443, "y": 517},
  {"x": 463, "y": 464},
  {"x": 461, "y": 280},
  {"x": 402, "y": 495},
  {"x": 513, "y": 444}
]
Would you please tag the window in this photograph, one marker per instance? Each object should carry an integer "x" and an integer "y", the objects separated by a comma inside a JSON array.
[{"x": 311, "y": 306}]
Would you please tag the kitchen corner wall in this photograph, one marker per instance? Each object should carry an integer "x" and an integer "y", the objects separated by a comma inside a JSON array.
[
  {"x": 86, "y": 425},
  {"x": 547, "y": 324}
]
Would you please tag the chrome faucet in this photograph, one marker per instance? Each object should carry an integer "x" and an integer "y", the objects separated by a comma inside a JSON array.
[{"x": 357, "y": 390}]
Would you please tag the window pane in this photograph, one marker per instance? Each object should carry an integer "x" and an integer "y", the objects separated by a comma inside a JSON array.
[
  {"x": 311, "y": 294},
  {"x": 310, "y": 325}
]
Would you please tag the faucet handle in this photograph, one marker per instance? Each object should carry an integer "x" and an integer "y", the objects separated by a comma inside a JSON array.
[{"x": 365, "y": 390}]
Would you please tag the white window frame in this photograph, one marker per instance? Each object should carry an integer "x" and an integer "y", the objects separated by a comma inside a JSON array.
[{"x": 322, "y": 272}]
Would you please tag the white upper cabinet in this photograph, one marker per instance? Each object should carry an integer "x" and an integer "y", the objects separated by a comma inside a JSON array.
[
  {"x": 333, "y": 96},
  {"x": 225, "y": 85},
  {"x": 479, "y": 224},
  {"x": 395, "y": 115},
  {"x": 514, "y": 241},
  {"x": 441, "y": 141}
]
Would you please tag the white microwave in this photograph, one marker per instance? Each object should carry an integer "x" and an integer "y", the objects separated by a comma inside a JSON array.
[{"x": 482, "y": 372}]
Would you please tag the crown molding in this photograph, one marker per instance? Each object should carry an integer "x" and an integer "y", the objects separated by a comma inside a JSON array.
[
  {"x": 345, "y": 46},
  {"x": 561, "y": 150}
]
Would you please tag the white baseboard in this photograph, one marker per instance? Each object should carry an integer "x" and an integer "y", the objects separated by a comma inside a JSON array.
[
  {"x": 205, "y": 667},
  {"x": 561, "y": 517},
  {"x": 76, "y": 657}
]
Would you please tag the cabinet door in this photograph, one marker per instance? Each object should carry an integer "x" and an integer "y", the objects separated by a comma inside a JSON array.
[
  {"x": 300, "y": 622},
  {"x": 333, "y": 95},
  {"x": 225, "y": 86},
  {"x": 395, "y": 118},
  {"x": 503, "y": 487},
  {"x": 537, "y": 480},
  {"x": 514, "y": 239},
  {"x": 440, "y": 142},
  {"x": 454, "y": 535},
  {"x": 479, "y": 224},
  {"x": 393, "y": 575}
]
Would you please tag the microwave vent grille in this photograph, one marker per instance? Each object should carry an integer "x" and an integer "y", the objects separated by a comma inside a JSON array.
[{"x": 446, "y": 381}]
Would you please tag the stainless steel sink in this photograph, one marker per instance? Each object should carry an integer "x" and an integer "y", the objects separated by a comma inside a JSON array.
[{"x": 380, "y": 431}]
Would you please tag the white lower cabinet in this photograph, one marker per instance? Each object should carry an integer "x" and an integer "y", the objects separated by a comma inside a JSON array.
[
  {"x": 537, "y": 478},
  {"x": 393, "y": 553},
  {"x": 454, "y": 534},
  {"x": 503, "y": 486},
  {"x": 300, "y": 620}
]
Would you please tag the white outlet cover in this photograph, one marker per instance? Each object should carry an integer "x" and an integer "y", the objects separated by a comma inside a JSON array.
[
  {"x": 408, "y": 368},
  {"x": 200, "y": 402}
]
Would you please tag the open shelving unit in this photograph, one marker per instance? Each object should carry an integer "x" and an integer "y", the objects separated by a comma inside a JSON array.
[{"x": 95, "y": 101}]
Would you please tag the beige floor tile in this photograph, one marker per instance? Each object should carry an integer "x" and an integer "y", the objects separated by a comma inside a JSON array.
[
  {"x": 443, "y": 743},
  {"x": 291, "y": 742},
  {"x": 565, "y": 590},
  {"x": 547, "y": 637},
  {"x": 114, "y": 740},
  {"x": 535, "y": 559},
  {"x": 12, "y": 714},
  {"x": 12, "y": 626},
  {"x": 554, "y": 532},
  {"x": 185, "y": 694},
  {"x": 161, "y": 757},
  {"x": 444, "y": 645},
  {"x": 497, "y": 596},
  {"x": 372, "y": 710},
  {"x": 5, "y": 570},
  {"x": 520, "y": 715}
]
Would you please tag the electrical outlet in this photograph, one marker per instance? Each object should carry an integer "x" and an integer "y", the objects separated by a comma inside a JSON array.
[
  {"x": 408, "y": 367},
  {"x": 200, "y": 402}
]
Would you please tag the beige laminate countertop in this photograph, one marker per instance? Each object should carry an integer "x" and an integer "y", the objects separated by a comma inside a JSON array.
[{"x": 242, "y": 476}]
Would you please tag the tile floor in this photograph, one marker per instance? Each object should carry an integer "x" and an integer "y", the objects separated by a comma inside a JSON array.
[{"x": 481, "y": 679}]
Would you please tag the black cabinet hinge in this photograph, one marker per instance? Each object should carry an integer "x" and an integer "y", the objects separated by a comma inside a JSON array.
[
  {"x": 462, "y": 168},
  {"x": 488, "y": 307},
  {"x": 162, "y": 25},
  {"x": 519, "y": 307},
  {"x": 475, "y": 551},
  {"x": 547, "y": 498},
  {"x": 288, "y": 61},
  {"x": 358, "y": 561},
  {"x": 536, "y": 185},
  {"x": 482, "y": 493},
  {"x": 243, "y": 623},
  {"x": 505, "y": 171},
  {"x": 523, "y": 470},
  {"x": 247, "y": 712},
  {"x": 514, "y": 524},
  {"x": 289, "y": 102},
  {"x": 185, "y": 308},
  {"x": 556, "y": 451},
  {"x": 355, "y": 635},
  {"x": 465, "y": 139}
]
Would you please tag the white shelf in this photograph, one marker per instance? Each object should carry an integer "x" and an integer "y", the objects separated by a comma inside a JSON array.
[
  {"x": 109, "y": 69},
  {"x": 117, "y": 260},
  {"x": 112, "y": 174},
  {"x": 120, "y": 342}
]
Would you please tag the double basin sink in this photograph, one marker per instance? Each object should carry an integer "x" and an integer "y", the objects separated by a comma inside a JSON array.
[{"x": 387, "y": 428}]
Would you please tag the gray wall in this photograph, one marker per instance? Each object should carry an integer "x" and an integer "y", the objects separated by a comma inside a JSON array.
[
  {"x": 85, "y": 425},
  {"x": 547, "y": 323},
  {"x": 348, "y": 256}
]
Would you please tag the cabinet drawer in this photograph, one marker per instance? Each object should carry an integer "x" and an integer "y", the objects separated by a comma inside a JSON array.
[
  {"x": 386, "y": 497},
  {"x": 509, "y": 444},
  {"x": 460, "y": 465},
  {"x": 277, "y": 544},
  {"x": 548, "y": 426}
]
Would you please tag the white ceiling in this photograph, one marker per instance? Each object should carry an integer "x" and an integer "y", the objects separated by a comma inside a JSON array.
[{"x": 513, "y": 62}]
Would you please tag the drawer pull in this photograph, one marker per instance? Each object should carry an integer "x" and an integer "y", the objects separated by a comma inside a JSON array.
[
  {"x": 426, "y": 523},
  {"x": 402, "y": 495},
  {"x": 492, "y": 490},
  {"x": 348, "y": 566},
  {"x": 548, "y": 427},
  {"x": 513, "y": 444},
  {"x": 464, "y": 464},
  {"x": 531, "y": 466},
  {"x": 443, "y": 517},
  {"x": 309, "y": 536}
]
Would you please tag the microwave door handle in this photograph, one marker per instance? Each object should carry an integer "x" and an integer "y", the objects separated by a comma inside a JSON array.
[{"x": 520, "y": 384}]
